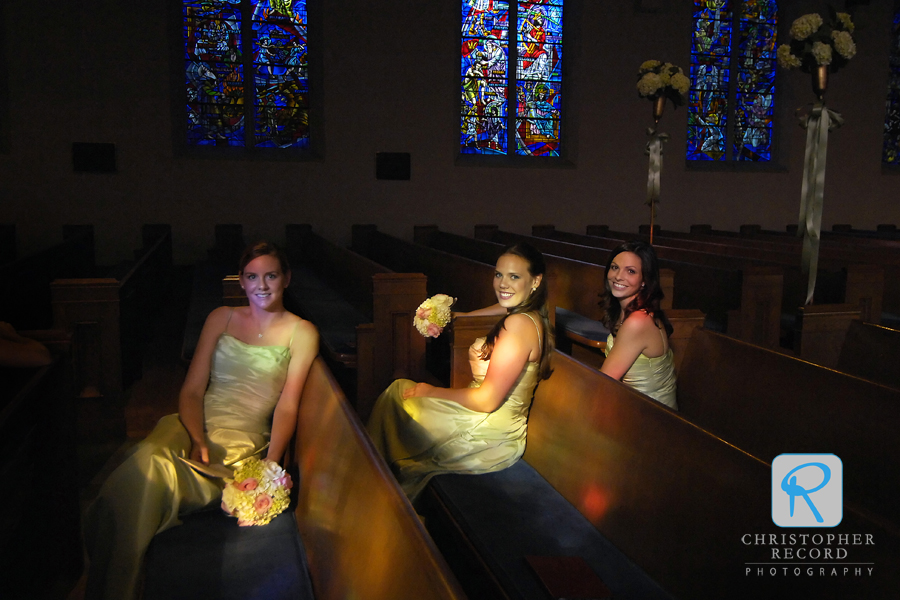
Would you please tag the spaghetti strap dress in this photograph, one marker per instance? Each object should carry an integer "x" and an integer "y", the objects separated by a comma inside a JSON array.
[
  {"x": 654, "y": 377},
  {"x": 421, "y": 437},
  {"x": 154, "y": 486}
]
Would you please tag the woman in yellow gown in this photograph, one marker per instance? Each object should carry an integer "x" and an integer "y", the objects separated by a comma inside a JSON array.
[
  {"x": 422, "y": 430},
  {"x": 239, "y": 399},
  {"x": 637, "y": 350}
]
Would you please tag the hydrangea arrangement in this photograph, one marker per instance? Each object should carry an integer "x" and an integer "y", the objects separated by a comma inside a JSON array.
[
  {"x": 657, "y": 79},
  {"x": 816, "y": 42},
  {"x": 258, "y": 493},
  {"x": 433, "y": 315}
]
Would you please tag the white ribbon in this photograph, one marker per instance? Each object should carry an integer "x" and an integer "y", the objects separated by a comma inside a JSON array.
[
  {"x": 817, "y": 123},
  {"x": 655, "y": 150}
]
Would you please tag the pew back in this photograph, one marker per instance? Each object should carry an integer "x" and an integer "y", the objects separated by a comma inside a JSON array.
[
  {"x": 784, "y": 404},
  {"x": 871, "y": 352},
  {"x": 362, "y": 537}
]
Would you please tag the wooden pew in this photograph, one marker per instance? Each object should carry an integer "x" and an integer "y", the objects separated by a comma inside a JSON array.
[
  {"x": 40, "y": 530},
  {"x": 206, "y": 285},
  {"x": 767, "y": 403},
  {"x": 843, "y": 277},
  {"x": 110, "y": 316},
  {"x": 362, "y": 538},
  {"x": 871, "y": 352},
  {"x": 73, "y": 257},
  {"x": 364, "y": 312},
  {"x": 7, "y": 243},
  {"x": 676, "y": 499},
  {"x": 740, "y": 298}
]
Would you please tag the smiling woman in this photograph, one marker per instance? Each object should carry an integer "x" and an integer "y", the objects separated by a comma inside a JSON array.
[
  {"x": 637, "y": 350},
  {"x": 422, "y": 430}
]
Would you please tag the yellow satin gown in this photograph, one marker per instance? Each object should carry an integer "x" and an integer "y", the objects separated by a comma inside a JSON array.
[
  {"x": 148, "y": 492},
  {"x": 654, "y": 377},
  {"x": 423, "y": 437}
]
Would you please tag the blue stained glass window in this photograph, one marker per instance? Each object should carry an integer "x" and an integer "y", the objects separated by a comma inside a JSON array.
[
  {"x": 731, "y": 102},
  {"x": 890, "y": 153},
  {"x": 224, "y": 106},
  {"x": 488, "y": 125}
]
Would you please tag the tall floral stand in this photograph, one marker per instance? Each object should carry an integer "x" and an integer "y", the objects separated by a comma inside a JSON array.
[
  {"x": 655, "y": 151},
  {"x": 817, "y": 123}
]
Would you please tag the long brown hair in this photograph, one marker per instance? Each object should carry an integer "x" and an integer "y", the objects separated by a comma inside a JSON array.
[
  {"x": 647, "y": 299},
  {"x": 535, "y": 302}
]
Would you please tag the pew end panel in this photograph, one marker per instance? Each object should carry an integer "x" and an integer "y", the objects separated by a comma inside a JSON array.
[
  {"x": 760, "y": 312},
  {"x": 820, "y": 331},
  {"x": 684, "y": 321},
  {"x": 465, "y": 331},
  {"x": 871, "y": 352},
  {"x": 865, "y": 289},
  {"x": 362, "y": 537}
]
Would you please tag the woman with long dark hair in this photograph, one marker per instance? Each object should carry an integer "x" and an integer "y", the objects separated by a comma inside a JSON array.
[
  {"x": 637, "y": 349},
  {"x": 422, "y": 430}
]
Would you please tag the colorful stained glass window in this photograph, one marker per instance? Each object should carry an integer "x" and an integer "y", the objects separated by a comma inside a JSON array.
[
  {"x": 890, "y": 153},
  {"x": 488, "y": 125},
  {"x": 731, "y": 100},
  {"x": 224, "y": 106}
]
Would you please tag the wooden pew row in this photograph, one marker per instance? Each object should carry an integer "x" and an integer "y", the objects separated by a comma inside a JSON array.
[
  {"x": 73, "y": 257},
  {"x": 576, "y": 285},
  {"x": 677, "y": 500},
  {"x": 767, "y": 403},
  {"x": 40, "y": 518},
  {"x": 871, "y": 352},
  {"x": 109, "y": 317},
  {"x": 743, "y": 299},
  {"x": 812, "y": 332},
  {"x": 851, "y": 278},
  {"x": 362, "y": 538},
  {"x": 364, "y": 312}
]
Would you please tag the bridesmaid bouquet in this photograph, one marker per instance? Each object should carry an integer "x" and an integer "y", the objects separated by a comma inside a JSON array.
[
  {"x": 258, "y": 493},
  {"x": 433, "y": 315}
]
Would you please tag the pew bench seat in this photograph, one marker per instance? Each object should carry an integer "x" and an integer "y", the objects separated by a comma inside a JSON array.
[
  {"x": 495, "y": 520},
  {"x": 210, "y": 556},
  {"x": 335, "y": 317}
]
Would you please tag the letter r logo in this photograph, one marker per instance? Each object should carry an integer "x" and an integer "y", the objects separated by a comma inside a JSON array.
[{"x": 807, "y": 490}]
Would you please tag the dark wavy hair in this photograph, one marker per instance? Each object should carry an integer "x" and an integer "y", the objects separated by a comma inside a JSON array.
[
  {"x": 536, "y": 302},
  {"x": 264, "y": 249},
  {"x": 647, "y": 299}
]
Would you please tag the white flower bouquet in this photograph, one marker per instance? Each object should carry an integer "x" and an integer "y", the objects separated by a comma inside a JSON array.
[
  {"x": 816, "y": 42},
  {"x": 433, "y": 315},
  {"x": 258, "y": 493},
  {"x": 657, "y": 79}
]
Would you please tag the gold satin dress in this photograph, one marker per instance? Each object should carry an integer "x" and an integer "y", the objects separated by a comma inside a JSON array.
[
  {"x": 148, "y": 492},
  {"x": 654, "y": 377},
  {"x": 423, "y": 437}
]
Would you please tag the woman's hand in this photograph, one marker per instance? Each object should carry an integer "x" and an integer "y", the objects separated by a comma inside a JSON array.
[
  {"x": 420, "y": 390},
  {"x": 200, "y": 452}
]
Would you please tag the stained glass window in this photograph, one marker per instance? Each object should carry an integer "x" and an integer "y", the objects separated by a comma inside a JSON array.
[
  {"x": 488, "y": 124},
  {"x": 890, "y": 153},
  {"x": 731, "y": 100},
  {"x": 225, "y": 107}
]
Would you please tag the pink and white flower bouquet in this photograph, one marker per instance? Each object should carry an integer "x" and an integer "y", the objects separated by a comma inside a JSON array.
[
  {"x": 258, "y": 493},
  {"x": 433, "y": 315}
]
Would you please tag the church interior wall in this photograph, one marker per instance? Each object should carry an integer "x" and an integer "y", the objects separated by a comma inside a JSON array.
[{"x": 108, "y": 72}]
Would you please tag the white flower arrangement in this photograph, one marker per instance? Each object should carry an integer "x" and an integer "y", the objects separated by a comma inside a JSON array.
[
  {"x": 816, "y": 42},
  {"x": 656, "y": 78},
  {"x": 433, "y": 315}
]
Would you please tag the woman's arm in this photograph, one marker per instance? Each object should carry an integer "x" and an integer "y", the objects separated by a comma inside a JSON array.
[
  {"x": 20, "y": 351},
  {"x": 190, "y": 399},
  {"x": 631, "y": 341},
  {"x": 487, "y": 311},
  {"x": 512, "y": 348},
  {"x": 303, "y": 351}
]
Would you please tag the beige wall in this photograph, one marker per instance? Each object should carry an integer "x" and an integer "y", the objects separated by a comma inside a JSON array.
[{"x": 102, "y": 72}]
